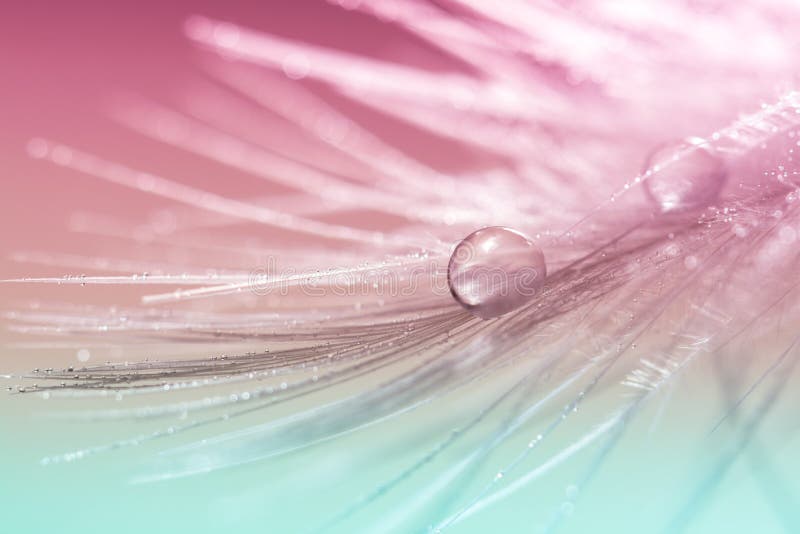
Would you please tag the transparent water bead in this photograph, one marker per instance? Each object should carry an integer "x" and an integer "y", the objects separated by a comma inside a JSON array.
[
  {"x": 685, "y": 175},
  {"x": 495, "y": 270}
]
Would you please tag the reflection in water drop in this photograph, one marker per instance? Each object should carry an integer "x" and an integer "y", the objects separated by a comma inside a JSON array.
[
  {"x": 495, "y": 270},
  {"x": 684, "y": 175}
]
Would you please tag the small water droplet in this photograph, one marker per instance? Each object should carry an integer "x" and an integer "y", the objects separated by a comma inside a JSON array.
[
  {"x": 494, "y": 271},
  {"x": 571, "y": 492},
  {"x": 787, "y": 235},
  {"x": 690, "y": 175},
  {"x": 296, "y": 66}
]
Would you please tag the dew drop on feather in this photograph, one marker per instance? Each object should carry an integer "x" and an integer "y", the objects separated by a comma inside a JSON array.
[
  {"x": 685, "y": 175},
  {"x": 495, "y": 270}
]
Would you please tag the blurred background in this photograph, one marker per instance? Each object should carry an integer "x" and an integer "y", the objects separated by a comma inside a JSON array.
[{"x": 67, "y": 65}]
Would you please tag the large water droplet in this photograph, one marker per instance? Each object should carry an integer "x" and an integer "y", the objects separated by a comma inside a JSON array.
[
  {"x": 684, "y": 175},
  {"x": 495, "y": 270}
]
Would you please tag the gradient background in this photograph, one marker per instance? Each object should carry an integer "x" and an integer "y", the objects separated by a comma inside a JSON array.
[{"x": 61, "y": 63}]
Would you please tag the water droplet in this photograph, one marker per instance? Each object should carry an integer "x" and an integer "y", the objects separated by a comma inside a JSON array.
[
  {"x": 571, "y": 492},
  {"x": 690, "y": 175},
  {"x": 494, "y": 271},
  {"x": 296, "y": 66},
  {"x": 787, "y": 235}
]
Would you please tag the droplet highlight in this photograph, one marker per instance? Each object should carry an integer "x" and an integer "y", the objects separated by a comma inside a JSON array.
[
  {"x": 685, "y": 175},
  {"x": 495, "y": 270}
]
